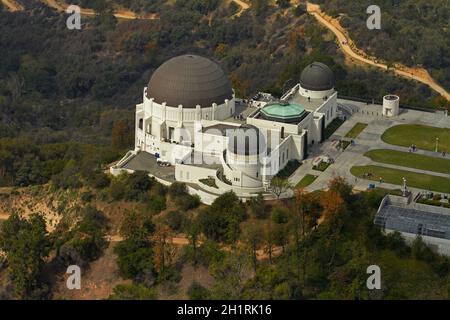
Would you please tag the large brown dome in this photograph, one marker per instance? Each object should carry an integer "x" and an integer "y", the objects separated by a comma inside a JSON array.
[{"x": 189, "y": 80}]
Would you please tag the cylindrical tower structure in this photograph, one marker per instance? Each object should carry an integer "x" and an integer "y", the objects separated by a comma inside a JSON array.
[
  {"x": 391, "y": 105},
  {"x": 245, "y": 148}
]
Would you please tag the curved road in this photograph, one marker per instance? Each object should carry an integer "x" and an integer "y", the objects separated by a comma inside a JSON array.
[
  {"x": 12, "y": 5},
  {"x": 349, "y": 48},
  {"x": 244, "y": 6}
]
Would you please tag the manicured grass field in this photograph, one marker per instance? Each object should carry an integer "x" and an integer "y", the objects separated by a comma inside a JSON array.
[
  {"x": 394, "y": 176},
  {"x": 424, "y": 137},
  {"x": 356, "y": 130},
  {"x": 306, "y": 181},
  {"x": 411, "y": 160}
]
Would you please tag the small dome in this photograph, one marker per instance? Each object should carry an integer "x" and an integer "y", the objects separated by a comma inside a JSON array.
[
  {"x": 189, "y": 80},
  {"x": 317, "y": 77},
  {"x": 283, "y": 112},
  {"x": 246, "y": 140}
]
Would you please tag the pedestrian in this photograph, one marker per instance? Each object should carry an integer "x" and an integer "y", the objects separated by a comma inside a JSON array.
[{"x": 381, "y": 180}]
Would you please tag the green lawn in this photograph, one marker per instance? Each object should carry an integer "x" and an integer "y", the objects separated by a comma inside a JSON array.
[
  {"x": 306, "y": 181},
  {"x": 332, "y": 127},
  {"x": 322, "y": 166},
  {"x": 424, "y": 137},
  {"x": 411, "y": 160},
  {"x": 356, "y": 130},
  {"x": 394, "y": 176}
]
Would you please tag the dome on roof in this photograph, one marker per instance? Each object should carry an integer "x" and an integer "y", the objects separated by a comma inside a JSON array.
[
  {"x": 189, "y": 80},
  {"x": 246, "y": 140},
  {"x": 317, "y": 77},
  {"x": 283, "y": 112}
]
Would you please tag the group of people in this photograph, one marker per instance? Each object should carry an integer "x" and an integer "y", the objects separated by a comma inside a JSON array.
[{"x": 412, "y": 148}]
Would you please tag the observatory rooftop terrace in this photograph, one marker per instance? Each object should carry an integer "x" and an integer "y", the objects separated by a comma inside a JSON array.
[{"x": 311, "y": 104}]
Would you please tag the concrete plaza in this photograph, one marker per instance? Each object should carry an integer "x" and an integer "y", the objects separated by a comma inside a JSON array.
[{"x": 368, "y": 139}]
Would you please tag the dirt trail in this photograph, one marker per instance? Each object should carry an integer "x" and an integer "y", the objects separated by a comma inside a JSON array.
[
  {"x": 350, "y": 49},
  {"x": 183, "y": 241},
  {"x": 120, "y": 13},
  {"x": 244, "y": 6},
  {"x": 12, "y": 5}
]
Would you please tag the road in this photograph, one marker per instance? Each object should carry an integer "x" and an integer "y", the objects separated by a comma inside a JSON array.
[
  {"x": 120, "y": 14},
  {"x": 12, "y": 5},
  {"x": 350, "y": 49}
]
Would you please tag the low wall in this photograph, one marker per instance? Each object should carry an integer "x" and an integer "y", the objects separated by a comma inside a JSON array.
[
  {"x": 205, "y": 197},
  {"x": 438, "y": 245}
]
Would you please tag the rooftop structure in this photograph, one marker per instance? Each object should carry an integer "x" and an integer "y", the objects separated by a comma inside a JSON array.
[
  {"x": 412, "y": 219},
  {"x": 189, "y": 80},
  {"x": 191, "y": 119},
  {"x": 283, "y": 112},
  {"x": 317, "y": 77}
]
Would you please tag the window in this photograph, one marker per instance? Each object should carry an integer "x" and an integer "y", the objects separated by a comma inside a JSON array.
[{"x": 141, "y": 123}]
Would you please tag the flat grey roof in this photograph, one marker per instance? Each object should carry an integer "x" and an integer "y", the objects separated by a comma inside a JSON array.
[
  {"x": 145, "y": 161},
  {"x": 311, "y": 105}
]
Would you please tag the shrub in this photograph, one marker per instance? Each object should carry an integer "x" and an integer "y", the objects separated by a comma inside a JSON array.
[
  {"x": 280, "y": 215},
  {"x": 175, "y": 220},
  {"x": 258, "y": 207},
  {"x": 86, "y": 241},
  {"x": 197, "y": 292},
  {"x": 137, "y": 184},
  {"x": 117, "y": 189},
  {"x": 188, "y": 202},
  {"x": 177, "y": 189},
  {"x": 98, "y": 179},
  {"x": 157, "y": 203},
  {"x": 135, "y": 260},
  {"x": 87, "y": 197},
  {"x": 133, "y": 292}
]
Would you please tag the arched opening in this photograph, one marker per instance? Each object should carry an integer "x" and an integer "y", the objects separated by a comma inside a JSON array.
[{"x": 141, "y": 124}]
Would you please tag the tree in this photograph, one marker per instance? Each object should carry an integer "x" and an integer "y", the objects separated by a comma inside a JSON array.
[
  {"x": 120, "y": 136},
  {"x": 26, "y": 245},
  {"x": 278, "y": 186},
  {"x": 305, "y": 215},
  {"x": 135, "y": 253},
  {"x": 283, "y": 3},
  {"x": 257, "y": 206},
  {"x": 164, "y": 250},
  {"x": 86, "y": 241},
  {"x": 333, "y": 208},
  {"x": 230, "y": 275},
  {"x": 253, "y": 238},
  {"x": 220, "y": 221},
  {"x": 193, "y": 233}
]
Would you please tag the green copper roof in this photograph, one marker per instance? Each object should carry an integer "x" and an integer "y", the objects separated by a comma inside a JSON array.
[{"x": 283, "y": 111}]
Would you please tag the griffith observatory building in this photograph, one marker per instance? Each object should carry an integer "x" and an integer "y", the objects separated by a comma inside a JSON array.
[{"x": 191, "y": 127}]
